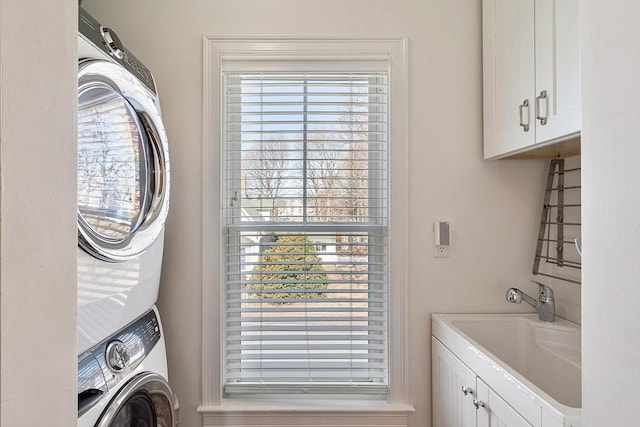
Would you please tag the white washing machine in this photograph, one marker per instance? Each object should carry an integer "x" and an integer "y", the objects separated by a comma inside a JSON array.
[
  {"x": 123, "y": 185},
  {"x": 122, "y": 381}
]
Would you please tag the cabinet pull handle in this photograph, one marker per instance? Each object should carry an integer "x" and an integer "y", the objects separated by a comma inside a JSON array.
[
  {"x": 478, "y": 403},
  {"x": 539, "y": 116},
  {"x": 525, "y": 104},
  {"x": 467, "y": 390}
]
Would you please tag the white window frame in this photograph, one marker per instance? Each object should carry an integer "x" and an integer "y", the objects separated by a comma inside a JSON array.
[{"x": 238, "y": 51}]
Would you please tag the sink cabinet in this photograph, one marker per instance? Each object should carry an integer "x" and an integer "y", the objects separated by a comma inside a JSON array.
[
  {"x": 531, "y": 76},
  {"x": 496, "y": 411},
  {"x": 505, "y": 370},
  {"x": 461, "y": 398}
]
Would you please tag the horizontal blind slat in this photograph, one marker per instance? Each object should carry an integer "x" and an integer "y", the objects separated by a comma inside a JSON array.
[
  {"x": 315, "y": 337},
  {"x": 314, "y": 309},
  {"x": 292, "y": 300},
  {"x": 305, "y": 346}
]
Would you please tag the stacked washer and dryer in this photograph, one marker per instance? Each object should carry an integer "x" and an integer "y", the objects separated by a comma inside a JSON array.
[{"x": 123, "y": 199}]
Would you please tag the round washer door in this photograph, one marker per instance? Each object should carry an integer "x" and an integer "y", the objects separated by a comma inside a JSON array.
[
  {"x": 123, "y": 163},
  {"x": 145, "y": 401}
]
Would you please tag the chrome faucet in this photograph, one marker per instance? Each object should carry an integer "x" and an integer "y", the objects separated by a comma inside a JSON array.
[{"x": 546, "y": 306}]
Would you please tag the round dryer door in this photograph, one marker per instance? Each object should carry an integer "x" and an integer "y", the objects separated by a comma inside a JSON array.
[
  {"x": 123, "y": 163},
  {"x": 145, "y": 401}
]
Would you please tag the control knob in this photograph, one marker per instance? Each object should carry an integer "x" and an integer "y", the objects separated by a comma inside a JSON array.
[
  {"x": 117, "y": 356},
  {"x": 114, "y": 45}
]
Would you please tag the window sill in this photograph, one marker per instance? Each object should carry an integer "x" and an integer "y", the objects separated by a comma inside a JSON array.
[{"x": 318, "y": 413}]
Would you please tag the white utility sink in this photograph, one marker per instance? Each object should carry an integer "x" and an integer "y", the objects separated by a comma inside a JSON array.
[{"x": 521, "y": 355}]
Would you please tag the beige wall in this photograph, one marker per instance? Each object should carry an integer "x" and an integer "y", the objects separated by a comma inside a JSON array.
[
  {"x": 38, "y": 74},
  {"x": 494, "y": 207},
  {"x": 611, "y": 159}
]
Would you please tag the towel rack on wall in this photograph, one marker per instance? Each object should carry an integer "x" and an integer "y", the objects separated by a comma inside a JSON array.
[{"x": 560, "y": 225}]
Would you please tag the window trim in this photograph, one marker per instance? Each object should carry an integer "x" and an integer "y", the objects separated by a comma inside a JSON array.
[{"x": 314, "y": 50}]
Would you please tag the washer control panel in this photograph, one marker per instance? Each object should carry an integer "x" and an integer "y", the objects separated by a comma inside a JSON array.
[
  {"x": 106, "y": 364},
  {"x": 127, "y": 348}
]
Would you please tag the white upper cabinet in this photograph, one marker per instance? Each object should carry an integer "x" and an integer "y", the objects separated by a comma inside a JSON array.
[
  {"x": 508, "y": 75},
  {"x": 531, "y": 75}
]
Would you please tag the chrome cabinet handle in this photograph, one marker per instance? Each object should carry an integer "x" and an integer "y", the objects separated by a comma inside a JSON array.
[
  {"x": 525, "y": 104},
  {"x": 539, "y": 116},
  {"x": 467, "y": 390},
  {"x": 478, "y": 403}
]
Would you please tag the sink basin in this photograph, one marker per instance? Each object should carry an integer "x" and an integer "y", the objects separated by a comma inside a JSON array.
[
  {"x": 547, "y": 354},
  {"x": 542, "y": 359}
]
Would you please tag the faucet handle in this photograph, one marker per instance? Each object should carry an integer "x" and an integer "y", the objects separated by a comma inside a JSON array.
[{"x": 546, "y": 293}]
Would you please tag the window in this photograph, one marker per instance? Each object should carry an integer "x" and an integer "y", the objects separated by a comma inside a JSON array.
[
  {"x": 305, "y": 212},
  {"x": 305, "y": 166}
]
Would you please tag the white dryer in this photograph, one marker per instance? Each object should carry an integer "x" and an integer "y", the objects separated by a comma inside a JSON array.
[
  {"x": 122, "y": 381},
  {"x": 123, "y": 185}
]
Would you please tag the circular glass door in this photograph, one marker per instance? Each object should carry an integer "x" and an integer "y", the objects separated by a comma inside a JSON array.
[
  {"x": 122, "y": 164},
  {"x": 112, "y": 164},
  {"x": 145, "y": 401},
  {"x": 137, "y": 411}
]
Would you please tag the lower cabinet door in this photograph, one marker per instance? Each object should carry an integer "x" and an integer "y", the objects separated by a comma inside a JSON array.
[
  {"x": 493, "y": 411},
  {"x": 454, "y": 388}
]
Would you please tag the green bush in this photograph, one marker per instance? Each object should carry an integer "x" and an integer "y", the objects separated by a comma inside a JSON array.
[{"x": 290, "y": 263}]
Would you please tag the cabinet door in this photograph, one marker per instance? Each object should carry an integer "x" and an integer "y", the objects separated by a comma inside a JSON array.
[
  {"x": 557, "y": 41},
  {"x": 494, "y": 411},
  {"x": 451, "y": 406},
  {"x": 508, "y": 75}
]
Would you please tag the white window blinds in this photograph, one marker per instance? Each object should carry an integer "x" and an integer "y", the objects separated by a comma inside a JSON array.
[{"x": 305, "y": 227}]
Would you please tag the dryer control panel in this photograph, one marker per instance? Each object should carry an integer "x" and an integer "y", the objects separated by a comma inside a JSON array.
[{"x": 109, "y": 43}]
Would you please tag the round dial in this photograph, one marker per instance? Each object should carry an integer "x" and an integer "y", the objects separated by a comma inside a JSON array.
[
  {"x": 117, "y": 356},
  {"x": 113, "y": 42}
]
